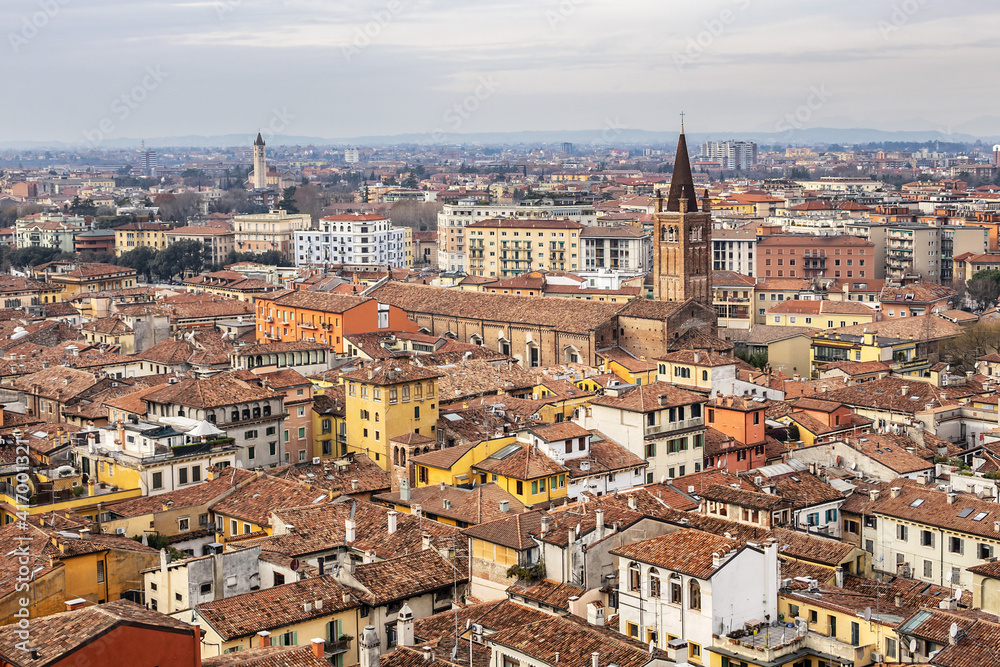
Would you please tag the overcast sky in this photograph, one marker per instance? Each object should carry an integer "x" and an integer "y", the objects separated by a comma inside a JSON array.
[{"x": 344, "y": 68}]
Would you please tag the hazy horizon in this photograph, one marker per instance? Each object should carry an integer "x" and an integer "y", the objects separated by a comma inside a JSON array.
[{"x": 87, "y": 73}]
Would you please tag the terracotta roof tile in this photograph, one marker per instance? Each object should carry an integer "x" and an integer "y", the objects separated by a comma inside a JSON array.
[
  {"x": 255, "y": 501},
  {"x": 275, "y": 607},
  {"x": 408, "y": 576},
  {"x": 58, "y": 635}
]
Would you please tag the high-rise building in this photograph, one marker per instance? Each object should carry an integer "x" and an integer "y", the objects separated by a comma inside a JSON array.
[
  {"x": 730, "y": 154},
  {"x": 352, "y": 156},
  {"x": 259, "y": 164},
  {"x": 567, "y": 147},
  {"x": 147, "y": 161},
  {"x": 682, "y": 248}
]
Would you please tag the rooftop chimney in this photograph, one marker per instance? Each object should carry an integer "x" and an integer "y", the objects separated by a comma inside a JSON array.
[
  {"x": 545, "y": 524},
  {"x": 839, "y": 576},
  {"x": 595, "y": 659},
  {"x": 392, "y": 521},
  {"x": 895, "y": 491},
  {"x": 599, "y": 517},
  {"x": 75, "y": 603},
  {"x": 951, "y": 498},
  {"x": 425, "y": 541},
  {"x": 349, "y": 530},
  {"x": 318, "y": 646},
  {"x": 632, "y": 504},
  {"x": 265, "y": 638}
]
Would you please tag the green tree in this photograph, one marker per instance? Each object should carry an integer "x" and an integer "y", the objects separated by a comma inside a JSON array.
[
  {"x": 984, "y": 289},
  {"x": 287, "y": 202},
  {"x": 183, "y": 258},
  {"x": 139, "y": 259}
]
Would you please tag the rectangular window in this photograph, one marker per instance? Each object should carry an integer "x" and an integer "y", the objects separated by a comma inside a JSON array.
[
  {"x": 195, "y": 473},
  {"x": 100, "y": 571},
  {"x": 520, "y": 488},
  {"x": 956, "y": 545},
  {"x": 302, "y": 432},
  {"x": 157, "y": 480},
  {"x": 182, "y": 475},
  {"x": 534, "y": 488}
]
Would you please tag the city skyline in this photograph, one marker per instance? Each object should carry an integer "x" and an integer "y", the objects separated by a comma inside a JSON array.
[{"x": 437, "y": 68}]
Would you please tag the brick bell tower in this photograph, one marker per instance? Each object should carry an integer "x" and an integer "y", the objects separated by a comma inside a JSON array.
[{"x": 682, "y": 248}]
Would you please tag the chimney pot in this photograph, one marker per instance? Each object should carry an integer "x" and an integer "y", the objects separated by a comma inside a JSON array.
[
  {"x": 265, "y": 638},
  {"x": 317, "y": 646}
]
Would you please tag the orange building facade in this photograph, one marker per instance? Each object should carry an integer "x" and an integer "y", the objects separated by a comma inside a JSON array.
[{"x": 324, "y": 318}]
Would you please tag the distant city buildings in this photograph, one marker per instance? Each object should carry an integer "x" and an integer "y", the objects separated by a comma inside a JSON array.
[{"x": 730, "y": 155}]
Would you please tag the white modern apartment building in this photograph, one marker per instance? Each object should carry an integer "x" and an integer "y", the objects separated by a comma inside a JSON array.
[
  {"x": 731, "y": 154},
  {"x": 733, "y": 250},
  {"x": 454, "y": 218},
  {"x": 353, "y": 238}
]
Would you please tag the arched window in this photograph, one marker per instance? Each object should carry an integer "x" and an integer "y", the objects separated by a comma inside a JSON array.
[
  {"x": 633, "y": 577},
  {"x": 694, "y": 594},
  {"x": 234, "y": 416},
  {"x": 246, "y": 413},
  {"x": 180, "y": 412},
  {"x": 256, "y": 412},
  {"x": 402, "y": 457},
  {"x": 395, "y": 456},
  {"x": 654, "y": 583},
  {"x": 267, "y": 410}
]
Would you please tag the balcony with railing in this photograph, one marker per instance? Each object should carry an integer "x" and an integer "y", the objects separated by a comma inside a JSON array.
[
  {"x": 341, "y": 645},
  {"x": 671, "y": 426},
  {"x": 776, "y": 645}
]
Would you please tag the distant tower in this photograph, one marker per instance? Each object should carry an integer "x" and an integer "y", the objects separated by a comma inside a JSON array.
[
  {"x": 996, "y": 155},
  {"x": 259, "y": 164},
  {"x": 682, "y": 251},
  {"x": 368, "y": 648},
  {"x": 147, "y": 161}
]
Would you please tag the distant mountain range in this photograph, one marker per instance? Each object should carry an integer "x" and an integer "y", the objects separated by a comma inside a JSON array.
[{"x": 582, "y": 138}]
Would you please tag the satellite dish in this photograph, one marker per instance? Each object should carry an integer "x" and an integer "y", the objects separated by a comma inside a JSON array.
[
  {"x": 953, "y": 630},
  {"x": 468, "y": 622},
  {"x": 958, "y": 592},
  {"x": 868, "y": 613},
  {"x": 947, "y": 576},
  {"x": 913, "y": 646}
]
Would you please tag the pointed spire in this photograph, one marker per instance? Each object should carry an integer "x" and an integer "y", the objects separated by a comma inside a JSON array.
[
  {"x": 681, "y": 182},
  {"x": 260, "y": 140}
]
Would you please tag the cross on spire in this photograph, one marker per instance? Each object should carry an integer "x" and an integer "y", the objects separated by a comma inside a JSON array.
[{"x": 682, "y": 122}]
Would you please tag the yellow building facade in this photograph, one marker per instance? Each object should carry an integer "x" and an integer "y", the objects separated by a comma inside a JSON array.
[{"x": 387, "y": 402}]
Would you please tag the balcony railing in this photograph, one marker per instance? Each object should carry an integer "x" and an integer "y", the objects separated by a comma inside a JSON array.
[
  {"x": 337, "y": 645},
  {"x": 680, "y": 425}
]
